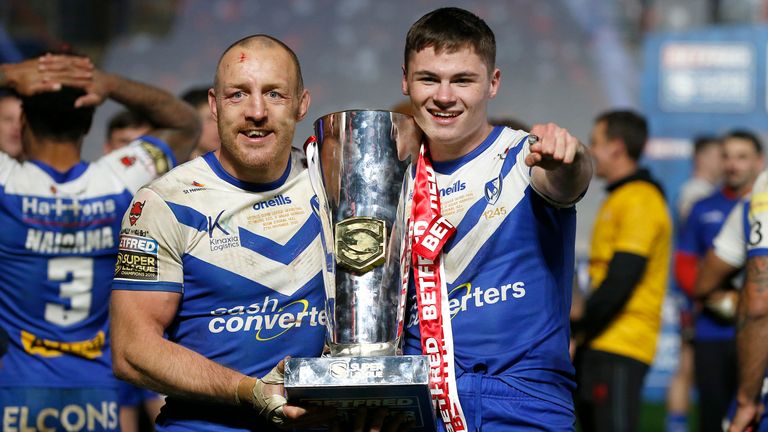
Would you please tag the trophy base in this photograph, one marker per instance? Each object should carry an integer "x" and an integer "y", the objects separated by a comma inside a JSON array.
[{"x": 398, "y": 383}]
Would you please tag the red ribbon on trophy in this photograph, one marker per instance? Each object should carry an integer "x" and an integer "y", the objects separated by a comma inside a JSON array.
[{"x": 429, "y": 231}]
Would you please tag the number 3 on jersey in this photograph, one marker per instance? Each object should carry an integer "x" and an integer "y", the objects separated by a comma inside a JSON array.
[
  {"x": 755, "y": 233},
  {"x": 76, "y": 275}
]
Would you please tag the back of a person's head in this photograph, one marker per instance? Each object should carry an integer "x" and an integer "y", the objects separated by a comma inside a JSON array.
[
  {"x": 743, "y": 134},
  {"x": 451, "y": 29},
  {"x": 53, "y": 115},
  {"x": 126, "y": 119},
  {"x": 196, "y": 96},
  {"x": 628, "y": 126}
]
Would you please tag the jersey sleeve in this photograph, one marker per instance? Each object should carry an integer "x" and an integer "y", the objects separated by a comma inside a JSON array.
[
  {"x": 729, "y": 244},
  {"x": 151, "y": 246},
  {"x": 757, "y": 218},
  {"x": 140, "y": 162},
  {"x": 641, "y": 223}
]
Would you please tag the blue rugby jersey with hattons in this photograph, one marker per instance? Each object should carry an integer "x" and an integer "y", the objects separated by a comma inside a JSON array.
[
  {"x": 246, "y": 259},
  {"x": 58, "y": 247},
  {"x": 508, "y": 268}
]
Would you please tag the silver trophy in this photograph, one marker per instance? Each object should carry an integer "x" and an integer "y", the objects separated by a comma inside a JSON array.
[{"x": 356, "y": 167}]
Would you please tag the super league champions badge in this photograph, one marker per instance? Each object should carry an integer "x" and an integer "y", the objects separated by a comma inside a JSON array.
[{"x": 356, "y": 168}]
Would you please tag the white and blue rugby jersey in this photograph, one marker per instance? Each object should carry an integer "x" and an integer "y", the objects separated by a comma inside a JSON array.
[
  {"x": 508, "y": 268},
  {"x": 246, "y": 259},
  {"x": 756, "y": 218},
  {"x": 58, "y": 248},
  {"x": 745, "y": 228}
]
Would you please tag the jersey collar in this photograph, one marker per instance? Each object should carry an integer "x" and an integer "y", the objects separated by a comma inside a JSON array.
[
  {"x": 215, "y": 165},
  {"x": 62, "y": 177},
  {"x": 449, "y": 167}
]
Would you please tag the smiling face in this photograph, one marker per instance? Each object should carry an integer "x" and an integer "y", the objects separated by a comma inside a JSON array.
[
  {"x": 257, "y": 101},
  {"x": 449, "y": 91}
]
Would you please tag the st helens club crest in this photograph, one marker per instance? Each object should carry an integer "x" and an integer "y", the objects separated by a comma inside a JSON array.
[{"x": 493, "y": 190}]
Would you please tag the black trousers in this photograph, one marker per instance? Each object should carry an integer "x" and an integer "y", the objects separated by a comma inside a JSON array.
[
  {"x": 608, "y": 396},
  {"x": 716, "y": 373}
]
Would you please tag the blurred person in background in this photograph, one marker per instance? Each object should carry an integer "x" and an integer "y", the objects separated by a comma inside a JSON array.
[
  {"x": 124, "y": 127},
  {"x": 209, "y": 136},
  {"x": 61, "y": 219},
  {"x": 714, "y": 283},
  {"x": 708, "y": 167},
  {"x": 707, "y": 174},
  {"x": 628, "y": 268},
  {"x": 10, "y": 124},
  {"x": 135, "y": 402}
]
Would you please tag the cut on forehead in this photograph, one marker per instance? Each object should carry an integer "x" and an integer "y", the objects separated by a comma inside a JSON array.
[{"x": 262, "y": 41}]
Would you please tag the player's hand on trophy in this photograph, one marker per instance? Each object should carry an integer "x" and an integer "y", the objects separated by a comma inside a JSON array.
[
  {"x": 370, "y": 420},
  {"x": 47, "y": 73},
  {"x": 267, "y": 397},
  {"x": 551, "y": 147}
]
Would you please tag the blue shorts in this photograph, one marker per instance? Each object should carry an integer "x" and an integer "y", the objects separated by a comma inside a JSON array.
[
  {"x": 505, "y": 408},
  {"x": 37, "y": 408}
]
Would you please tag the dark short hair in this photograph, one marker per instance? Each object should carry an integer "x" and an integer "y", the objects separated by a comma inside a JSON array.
[
  {"x": 126, "y": 119},
  {"x": 628, "y": 126},
  {"x": 451, "y": 29},
  {"x": 53, "y": 114},
  {"x": 703, "y": 142},
  {"x": 196, "y": 96},
  {"x": 746, "y": 135},
  {"x": 248, "y": 40},
  {"x": 8, "y": 94}
]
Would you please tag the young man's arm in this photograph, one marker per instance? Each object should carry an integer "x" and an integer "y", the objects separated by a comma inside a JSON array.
[{"x": 562, "y": 168}]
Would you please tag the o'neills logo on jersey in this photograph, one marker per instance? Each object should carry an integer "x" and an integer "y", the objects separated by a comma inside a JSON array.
[
  {"x": 465, "y": 296},
  {"x": 267, "y": 320},
  {"x": 90, "y": 349},
  {"x": 457, "y": 186},
  {"x": 274, "y": 202}
]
